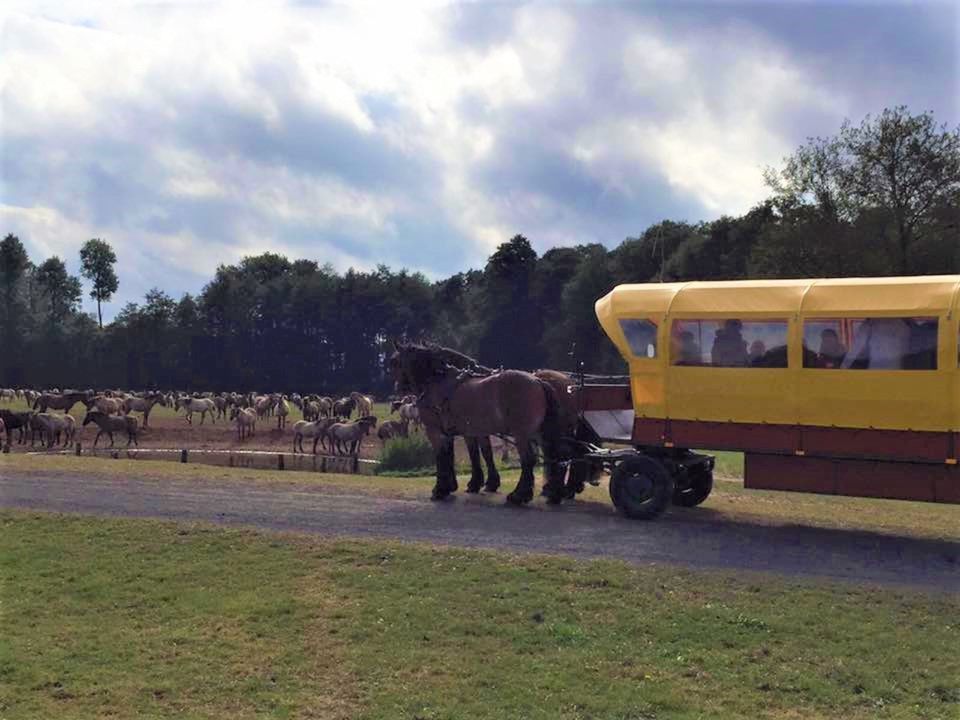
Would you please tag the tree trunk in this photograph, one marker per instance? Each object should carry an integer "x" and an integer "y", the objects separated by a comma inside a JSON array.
[
  {"x": 99, "y": 314},
  {"x": 904, "y": 233}
]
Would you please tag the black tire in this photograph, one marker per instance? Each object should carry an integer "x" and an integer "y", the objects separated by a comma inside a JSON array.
[
  {"x": 701, "y": 483},
  {"x": 641, "y": 488}
]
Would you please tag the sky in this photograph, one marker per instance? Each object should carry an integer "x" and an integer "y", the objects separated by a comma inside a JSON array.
[{"x": 422, "y": 135}]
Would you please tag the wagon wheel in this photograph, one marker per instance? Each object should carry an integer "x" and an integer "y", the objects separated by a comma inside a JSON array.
[
  {"x": 640, "y": 487},
  {"x": 698, "y": 490}
]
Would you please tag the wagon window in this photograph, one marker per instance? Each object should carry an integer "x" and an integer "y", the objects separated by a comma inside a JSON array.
[
  {"x": 641, "y": 336},
  {"x": 729, "y": 342},
  {"x": 904, "y": 343}
]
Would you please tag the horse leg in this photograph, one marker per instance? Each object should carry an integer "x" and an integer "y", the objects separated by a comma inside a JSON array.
[
  {"x": 493, "y": 476},
  {"x": 451, "y": 465},
  {"x": 523, "y": 493},
  {"x": 440, "y": 443},
  {"x": 110, "y": 433},
  {"x": 476, "y": 469}
]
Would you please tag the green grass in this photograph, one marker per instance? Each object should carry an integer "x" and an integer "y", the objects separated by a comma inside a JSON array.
[{"x": 146, "y": 619}]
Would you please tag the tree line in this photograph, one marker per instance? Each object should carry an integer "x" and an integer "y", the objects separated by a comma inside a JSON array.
[{"x": 879, "y": 198}]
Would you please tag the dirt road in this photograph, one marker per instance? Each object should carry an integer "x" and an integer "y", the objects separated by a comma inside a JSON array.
[{"x": 697, "y": 538}]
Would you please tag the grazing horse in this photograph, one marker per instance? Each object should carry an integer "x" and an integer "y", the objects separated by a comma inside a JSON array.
[
  {"x": 110, "y": 424},
  {"x": 246, "y": 422},
  {"x": 345, "y": 437},
  {"x": 363, "y": 403},
  {"x": 19, "y": 421},
  {"x": 316, "y": 429},
  {"x": 143, "y": 405},
  {"x": 509, "y": 402},
  {"x": 204, "y": 406},
  {"x": 344, "y": 407},
  {"x": 391, "y": 429},
  {"x": 282, "y": 408},
  {"x": 55, "y": 401},
  {"x": 51, "y": 428}
]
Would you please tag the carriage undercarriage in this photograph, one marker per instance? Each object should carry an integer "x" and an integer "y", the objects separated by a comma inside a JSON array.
[{"x": 644, "y": 479}]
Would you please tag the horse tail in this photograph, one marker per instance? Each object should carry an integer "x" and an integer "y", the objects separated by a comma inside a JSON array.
[{"x": 551, "y": 430}]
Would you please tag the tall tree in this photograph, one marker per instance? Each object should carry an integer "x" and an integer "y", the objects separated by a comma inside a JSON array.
[
  {"x": 97, "y": 259},
  {"x": 14, "y": 264},
  {"x": 903, "y": 164},
  {"x": 511, "y": 321},
  {"x": 60, "y": 289}
]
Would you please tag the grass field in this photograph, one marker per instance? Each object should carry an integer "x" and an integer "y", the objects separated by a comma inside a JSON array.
[{"x": 147, "y": 619}]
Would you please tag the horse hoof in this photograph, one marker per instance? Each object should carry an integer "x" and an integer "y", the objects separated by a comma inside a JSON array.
[
  {"x": 438, "y": 495},
  {"x": 554, "y": 498},
  {"x": 491, "y": 488},
  {"x": 516, "y": 498},
  {"x": 473, "y": 489}
]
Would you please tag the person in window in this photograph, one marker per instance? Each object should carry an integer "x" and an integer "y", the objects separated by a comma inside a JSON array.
[
  {"x": 831, "y": 350},
  {"x": 729, "y": 347},
  {"x": 882, "y": 342},
  {"x": 687, "y": 349},
  {"x": 758, "y": 349}
]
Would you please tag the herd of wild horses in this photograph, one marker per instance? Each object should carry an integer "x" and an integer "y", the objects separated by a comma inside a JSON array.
[
  {"x": 443, "y": 391},
  {"x": 326, "y": 420}
]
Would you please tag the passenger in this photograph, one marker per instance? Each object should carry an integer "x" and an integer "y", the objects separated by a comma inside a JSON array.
[
  {"x": 758, "y": 350},
  {"x": 729, "y": 347},
  {"x": 831, "y": 350},
  {"x": 688, "y": 351},
  {"x": 883, "y": 342}
]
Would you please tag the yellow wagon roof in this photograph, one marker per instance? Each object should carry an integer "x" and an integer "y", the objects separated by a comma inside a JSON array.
[{"x": 911, "y": 295}]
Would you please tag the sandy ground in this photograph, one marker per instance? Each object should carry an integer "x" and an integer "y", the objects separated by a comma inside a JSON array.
[
  {"x": 690, "y": 537},
  {"x": 169, "y": 431}
]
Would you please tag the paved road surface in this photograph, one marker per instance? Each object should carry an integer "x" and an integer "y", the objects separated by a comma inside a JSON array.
[{"x": 696, "y": 537}]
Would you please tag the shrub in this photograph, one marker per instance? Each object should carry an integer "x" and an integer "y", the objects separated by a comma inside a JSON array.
[{"x": 406, "y": 453}]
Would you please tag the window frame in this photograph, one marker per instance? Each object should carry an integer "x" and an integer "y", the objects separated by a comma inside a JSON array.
[
  {"x": 626, "y": 336},
  {"x": 744, "y": 320},
  {"x": 847, "y": 337}
]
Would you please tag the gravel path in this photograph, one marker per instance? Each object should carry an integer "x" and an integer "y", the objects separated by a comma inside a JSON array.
[{"x": 696, "y": 538}]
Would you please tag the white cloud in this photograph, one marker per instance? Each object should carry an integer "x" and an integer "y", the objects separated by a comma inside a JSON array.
[{"x": 204, "y": 131}]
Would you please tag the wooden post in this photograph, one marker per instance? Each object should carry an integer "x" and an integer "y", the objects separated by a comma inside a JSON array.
[
  {"x": 183, "y": 455},
  {"x": 356, "y": 464},
  {"x": 77, "y": 448},
  {"x": 280, "y": 461}
]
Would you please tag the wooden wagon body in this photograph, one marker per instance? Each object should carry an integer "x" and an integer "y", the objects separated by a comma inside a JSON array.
[{"x": 845, "y": 386}]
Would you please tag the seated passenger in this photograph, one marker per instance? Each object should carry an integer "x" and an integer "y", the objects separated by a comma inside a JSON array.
[
  {"x": 687, "y": 349},
  {"x": 882, "y": 342},
  {"x": 729, "y": 347},
  {"x": 757, "y": 351},
  {"x": 831, "y": 350}
]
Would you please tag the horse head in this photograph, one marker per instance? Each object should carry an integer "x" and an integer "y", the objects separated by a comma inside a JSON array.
[{"x": 413, "y": 366}]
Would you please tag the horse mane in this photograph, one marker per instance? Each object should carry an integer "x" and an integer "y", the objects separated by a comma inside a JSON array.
[{"x": 449, "y": 356}]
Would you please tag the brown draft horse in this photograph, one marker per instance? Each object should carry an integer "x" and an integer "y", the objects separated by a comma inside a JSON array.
[
  {"x": 568, "y": 418},
  {"x": 451, "y": 403}
]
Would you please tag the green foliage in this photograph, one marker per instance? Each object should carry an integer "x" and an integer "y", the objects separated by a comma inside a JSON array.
[
  {"x": 97, "y": 259},
  {"x": 899, "y": 168},
  {"x": 406, "y": 454},
  {"x": 61, "y": 290}
]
